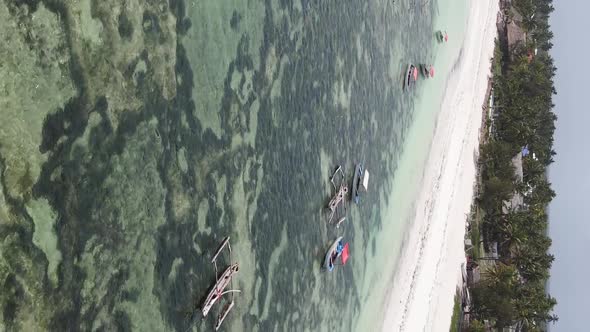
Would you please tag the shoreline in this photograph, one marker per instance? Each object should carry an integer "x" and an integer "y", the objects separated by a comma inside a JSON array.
[{"x": 428, "y": 271}]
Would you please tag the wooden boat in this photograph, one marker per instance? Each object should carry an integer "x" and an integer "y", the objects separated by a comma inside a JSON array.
[
  {"x": 359, "y": 181},
  {"x": 424, "y": 70},
  {"x": 427, "y": 70},
  {"x": 218, "y": 289},
  {"x": 410, "y": 76},
  {"x": 442, "y": 36},
  {"x": 337, "y": 249},
  {"x": 222, "y": 282}
]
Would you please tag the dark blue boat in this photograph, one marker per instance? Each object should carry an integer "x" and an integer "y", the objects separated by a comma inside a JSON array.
[{"x": 359, "y": 181}]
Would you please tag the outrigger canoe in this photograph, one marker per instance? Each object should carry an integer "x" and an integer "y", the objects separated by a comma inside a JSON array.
[
  {"x": 219, "y": 288},
  {"x": 337, "y": 249},
  {"x": 221, "y": 283}
]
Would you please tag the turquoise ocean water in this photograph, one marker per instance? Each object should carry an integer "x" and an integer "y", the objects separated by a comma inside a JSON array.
[{"x": 140, "y": 133}]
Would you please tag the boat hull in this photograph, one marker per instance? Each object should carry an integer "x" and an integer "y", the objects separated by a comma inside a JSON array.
[
  {"x": 425, "y": 71},
  {"x": 218, "y": 288},
  {"x": 355, "y": 183},
  {"x": 408, "y": 81},
  {"x": 327, "y": 262},
  {"x": 439, "y": 36}
]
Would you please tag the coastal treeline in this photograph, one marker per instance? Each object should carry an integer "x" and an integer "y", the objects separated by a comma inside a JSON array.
[{"x": 514, "y": 190}]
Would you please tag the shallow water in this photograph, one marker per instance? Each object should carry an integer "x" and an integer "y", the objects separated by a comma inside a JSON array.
[{"x": 166, "y": 127}]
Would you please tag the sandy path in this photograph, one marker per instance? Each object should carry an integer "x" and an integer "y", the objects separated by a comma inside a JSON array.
[{"x": 429, "y": 267}]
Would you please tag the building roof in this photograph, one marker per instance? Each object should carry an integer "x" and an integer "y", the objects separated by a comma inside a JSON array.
[
  {"x": 517, "y": 199},
  {"x": 517, "y": 163},
  {"x": 515, "y": 34}
]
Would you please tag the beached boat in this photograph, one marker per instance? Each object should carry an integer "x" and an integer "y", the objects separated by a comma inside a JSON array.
[
  {"x": 337, "y": 249},
  {"x": 360, "y": 182}
]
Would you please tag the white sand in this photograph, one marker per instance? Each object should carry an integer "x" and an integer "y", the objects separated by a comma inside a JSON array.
[{"x": 428, "y": 271}]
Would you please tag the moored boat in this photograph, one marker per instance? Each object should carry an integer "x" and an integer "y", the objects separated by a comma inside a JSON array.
[
  {"x": 427, "y": 70},
  {"x": 410, "y": 77},
  {"x": 337, "y": 249},
  {"x": 424, "y": 70},
  {"x": 219, "y": 288},
  {"x": 360, "y": 181},
  {"x": 442, "y": 36}
]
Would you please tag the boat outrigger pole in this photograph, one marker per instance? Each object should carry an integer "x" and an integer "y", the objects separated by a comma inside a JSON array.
[
  {"x": 224, "y": 243},
  {"x": 231, "y": 291},
  {"x": 223, "y": 314}
]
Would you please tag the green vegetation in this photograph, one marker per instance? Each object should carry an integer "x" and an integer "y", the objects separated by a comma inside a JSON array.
[
  {"x": 456, "y": 319},
  {"x": 475, "y": 234},
  {"x": 512, "y": 292},
  {"x": 476, "y": 326}
]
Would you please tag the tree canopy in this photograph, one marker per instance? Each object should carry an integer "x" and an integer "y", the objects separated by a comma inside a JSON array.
[{"x": 513, "y": 292}]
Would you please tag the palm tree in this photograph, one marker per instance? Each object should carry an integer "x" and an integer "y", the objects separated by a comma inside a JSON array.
[{"x": 501, "y": 274}]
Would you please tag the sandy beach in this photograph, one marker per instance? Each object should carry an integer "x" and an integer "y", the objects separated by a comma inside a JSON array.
[{"x": 428, "y": 271}]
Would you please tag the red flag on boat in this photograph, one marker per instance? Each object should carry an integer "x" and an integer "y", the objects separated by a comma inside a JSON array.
[
  {"x": 446, "y": 37},
  {"x": 345, "y": 254},
  {"x": 415, "y": 73},
  {"x": 431, "y": 71}
]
